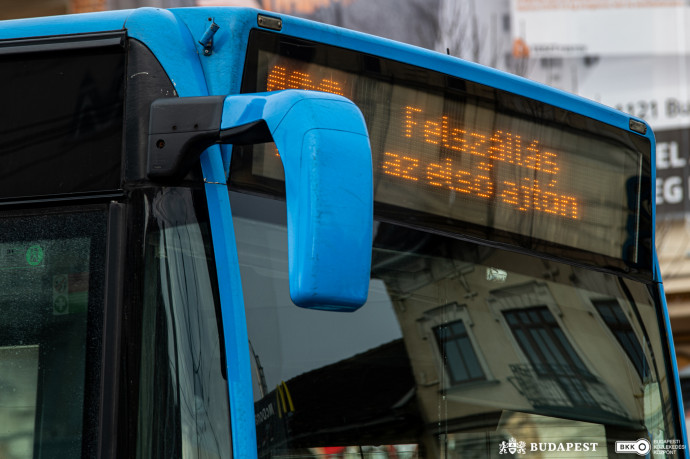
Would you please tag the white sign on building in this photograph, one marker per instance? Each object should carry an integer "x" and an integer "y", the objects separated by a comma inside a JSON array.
[{"x": 557, "y": 28}]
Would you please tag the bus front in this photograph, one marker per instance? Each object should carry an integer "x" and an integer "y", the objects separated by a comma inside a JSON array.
[{"x": 514, "y": 306}]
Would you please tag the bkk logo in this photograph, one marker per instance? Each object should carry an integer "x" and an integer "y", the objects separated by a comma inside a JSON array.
[
  {"x": 513, "y": 446},
  {"x": 640, "y": 447}
]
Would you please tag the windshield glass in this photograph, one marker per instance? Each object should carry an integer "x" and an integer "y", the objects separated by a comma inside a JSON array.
[
  {"x": 462, "y": 350},
  {"x": 183, "y": 398}
]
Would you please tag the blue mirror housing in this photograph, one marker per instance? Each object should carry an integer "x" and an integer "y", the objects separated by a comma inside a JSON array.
[{"x": 324, "y": 146}]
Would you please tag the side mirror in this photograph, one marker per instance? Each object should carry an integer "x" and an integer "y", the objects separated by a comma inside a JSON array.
[{"x": 324, "y": 145}]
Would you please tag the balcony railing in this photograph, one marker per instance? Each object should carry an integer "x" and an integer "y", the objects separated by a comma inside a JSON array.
[{"x": 561, "y": 386}]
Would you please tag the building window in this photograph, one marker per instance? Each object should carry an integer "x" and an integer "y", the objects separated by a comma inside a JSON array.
[
  {"x": 613, "y": 316},
  {"x": 551, "y": 355},
  {"x": 543, "y": 341},
  {"x": 459, "y": 357}
]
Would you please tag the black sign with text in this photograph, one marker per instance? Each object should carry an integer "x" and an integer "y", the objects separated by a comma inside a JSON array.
[{"x": 672, "y": 184}]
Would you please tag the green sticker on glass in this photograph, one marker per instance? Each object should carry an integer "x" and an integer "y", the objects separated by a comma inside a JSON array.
[{"x": 34, "y": 255}]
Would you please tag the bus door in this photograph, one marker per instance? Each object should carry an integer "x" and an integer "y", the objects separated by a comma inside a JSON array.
[{"x": 61, "y": 131}]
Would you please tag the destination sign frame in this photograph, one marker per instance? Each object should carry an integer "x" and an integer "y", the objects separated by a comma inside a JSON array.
[{"x": 464, "y": 157}]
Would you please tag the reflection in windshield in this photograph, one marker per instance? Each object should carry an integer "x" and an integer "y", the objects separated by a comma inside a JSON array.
[
  {"x": 182, "y": 391},
  {"x": 461, "y": 351}
]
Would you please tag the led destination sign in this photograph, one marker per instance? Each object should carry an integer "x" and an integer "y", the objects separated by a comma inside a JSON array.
[
  {"x": 526, "y": 195},
  {"x": 475, "y": 158}
]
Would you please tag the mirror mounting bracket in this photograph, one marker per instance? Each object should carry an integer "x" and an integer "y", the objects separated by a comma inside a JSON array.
[{"x": 180, "y": 129}]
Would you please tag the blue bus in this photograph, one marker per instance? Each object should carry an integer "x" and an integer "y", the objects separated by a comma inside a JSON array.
[{"x": 231, "y": 233}]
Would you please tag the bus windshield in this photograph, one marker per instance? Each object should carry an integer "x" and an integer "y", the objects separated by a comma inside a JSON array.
[
  {"x": 460, "y": 350},
  {"x": 475, "y": 340}
]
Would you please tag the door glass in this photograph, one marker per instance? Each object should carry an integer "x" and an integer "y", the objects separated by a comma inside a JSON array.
[{"x": 51, "y": 276}]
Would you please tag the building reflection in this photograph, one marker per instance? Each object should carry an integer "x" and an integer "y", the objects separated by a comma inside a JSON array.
[{"x": 546, "y": 354}]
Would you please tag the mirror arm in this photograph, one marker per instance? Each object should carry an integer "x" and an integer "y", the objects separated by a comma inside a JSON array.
[
  {"x": 247, "y": 134},
  {"x": 180, "y": 129}
]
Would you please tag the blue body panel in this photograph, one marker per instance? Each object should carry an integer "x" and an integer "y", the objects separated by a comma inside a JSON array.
[
  {"x": 64, "y": 25},
  {"x": 675, "y": 375},
  {"x": 178, "y": 52},
  {"x": 173, "y": 37}
]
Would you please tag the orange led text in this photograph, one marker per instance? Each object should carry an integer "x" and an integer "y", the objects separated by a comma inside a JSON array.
[
  {"x": 500, "y": 146},
  {"x": 281, "y": 78},
  {"x": 479, "y": 173}
]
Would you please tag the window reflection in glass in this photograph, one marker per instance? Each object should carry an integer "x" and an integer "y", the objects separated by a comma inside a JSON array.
[
  {"x": 614, "y": 317},
  {"x": 458, "y": 353},
  {"x": 18, "y": 391},
  {"x": 183, "y": 401}
]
